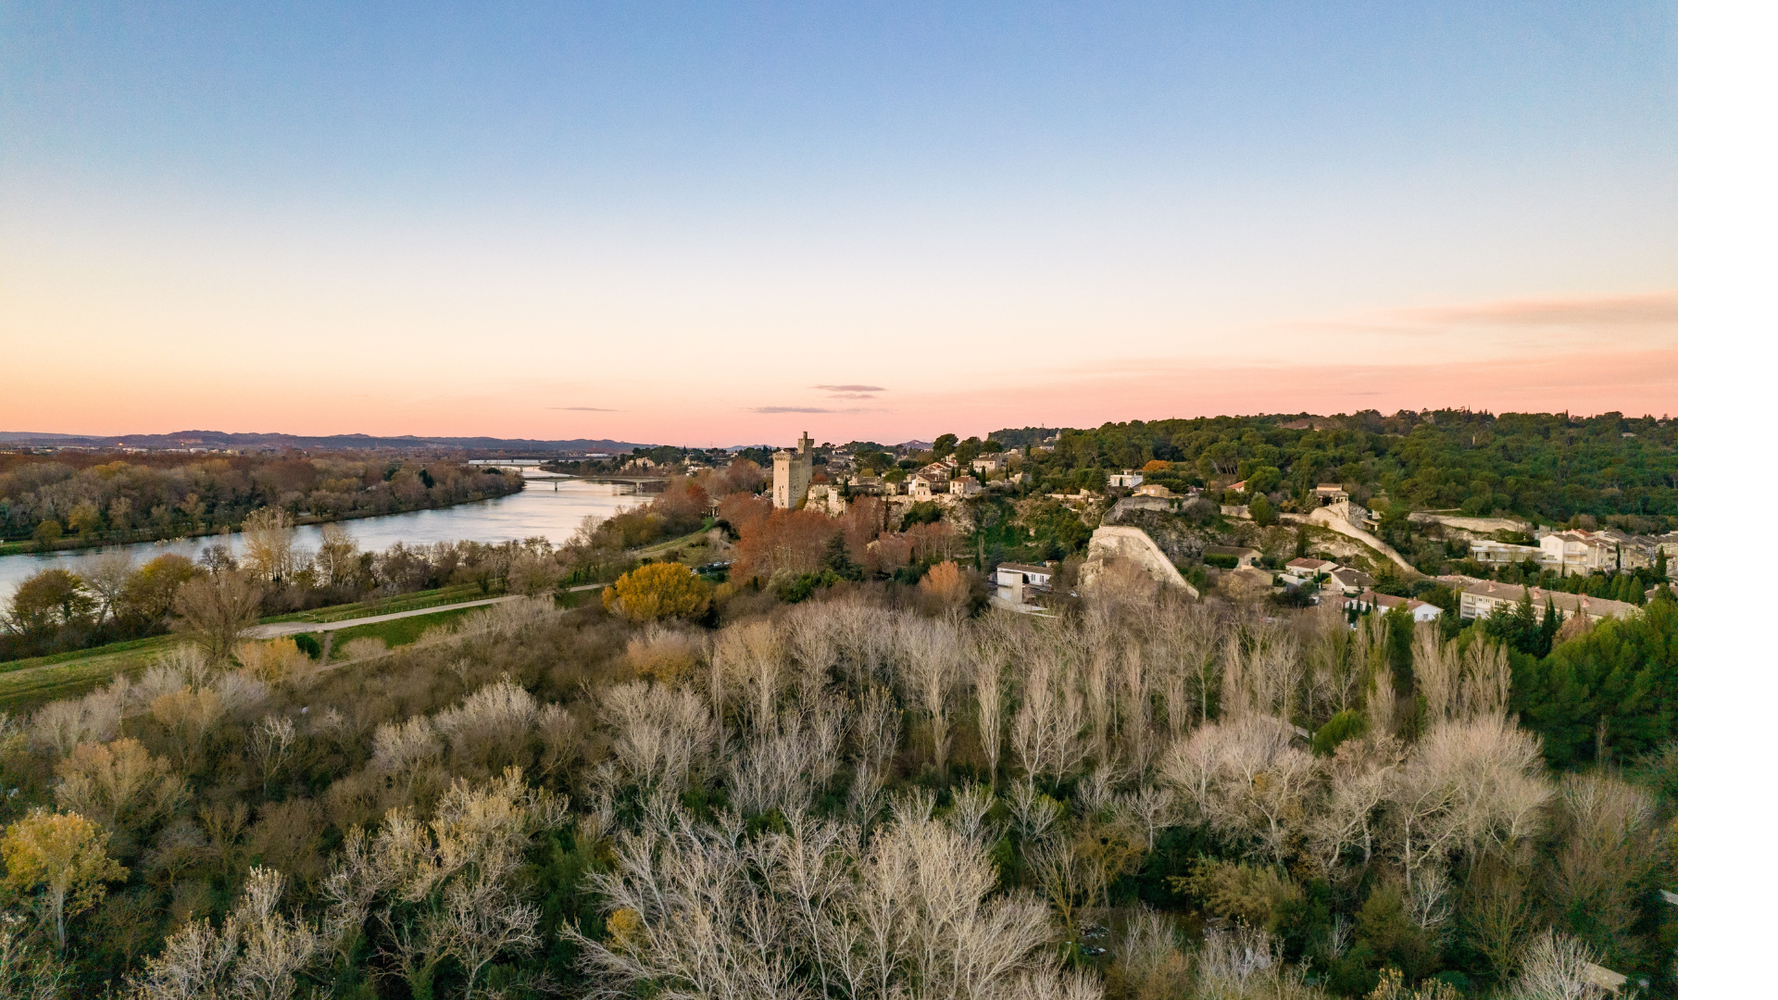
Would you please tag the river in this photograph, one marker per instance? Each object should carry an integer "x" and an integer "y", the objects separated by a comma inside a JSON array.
[{"x": 551, "y": 508}]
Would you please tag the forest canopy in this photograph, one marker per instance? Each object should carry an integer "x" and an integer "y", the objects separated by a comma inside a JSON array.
[{"x": 1546, "y": 466}]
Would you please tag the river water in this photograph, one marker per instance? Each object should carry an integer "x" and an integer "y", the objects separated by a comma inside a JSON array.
[{"x": 551, "y": 508}]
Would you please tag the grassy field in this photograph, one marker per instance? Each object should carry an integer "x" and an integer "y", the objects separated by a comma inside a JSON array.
[
  {"x": 24, "y": 684},
  {"x": 28, "y": 683},
  {"x": 399, "y": 632}
]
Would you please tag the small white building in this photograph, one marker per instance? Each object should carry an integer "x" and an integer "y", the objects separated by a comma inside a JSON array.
[
  {"x": 1370, "y": 600},
  {"x": 1349, "y": 581},
  {"x": 1128, "y": 479},
  {"x": 1300, "y": 571},
  {"x": 1502, "y": 553},
  {"x": 1016, "y": 585},
  {"x": 965, "y": 486}
]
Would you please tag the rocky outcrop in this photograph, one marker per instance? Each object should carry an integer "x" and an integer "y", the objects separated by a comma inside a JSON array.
[
  {"x": 1132, "y": 545},
  {"x": 1326, "y": 517}
]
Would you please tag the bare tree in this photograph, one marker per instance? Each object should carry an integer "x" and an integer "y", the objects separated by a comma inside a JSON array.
[
  {"x": 106, "y": 575},
  {"x": 1557, "y": 967},
  {"x": 1465, "y": 786},
  {"x": 989, "y": 711},
  {"x": 1046, "y": 729},
  {"x": 1487, "y": 679},
  {"x": 660, "y": 735},
  {"x": 932, "y": 672},
  {"x": 1243, "y": 779},
  {"x": 93, "y": 718},
  {"x": 268, "y": 545},
  {"x": 1358, "y": 777},
  {"x": 1607, "y": 860},
  {"x": 259, "y": 953},
  {"x": 271, "y": 742},
  {"x": 1498, "y": 911},
  {"x": 214, "y": 610},
  {"x": 1438, "y": 672},
  {"x": 403, "y": 749},
  {"x": 492, "y": 727},
  {"x": 336, "y": 560}
]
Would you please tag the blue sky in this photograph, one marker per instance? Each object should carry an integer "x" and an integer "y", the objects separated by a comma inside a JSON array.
[{"x": 948, "y": 202}]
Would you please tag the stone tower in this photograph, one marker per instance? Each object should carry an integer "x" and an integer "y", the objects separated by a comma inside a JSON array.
[{"x": 791, "y": 472}]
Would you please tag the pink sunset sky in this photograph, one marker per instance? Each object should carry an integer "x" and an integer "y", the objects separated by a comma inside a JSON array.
[{"x": 714, "y": 229}]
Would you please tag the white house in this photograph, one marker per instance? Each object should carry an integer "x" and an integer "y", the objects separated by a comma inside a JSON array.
[
  {"x": 1370, "y": 600},
  {"x": 1016, "y": 584},
  {"x": 1300, "y": 571},
  {"x": 1128, "y": 479},
  {"x": 1349, "y": 581},
  {"x": 1578, "y": 551},
  {"x": 965, "y": 486}
]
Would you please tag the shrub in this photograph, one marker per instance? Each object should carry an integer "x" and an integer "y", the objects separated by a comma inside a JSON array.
[
  {"x": 1342, "y": 727},
  {"x": 656, "y": 591}
]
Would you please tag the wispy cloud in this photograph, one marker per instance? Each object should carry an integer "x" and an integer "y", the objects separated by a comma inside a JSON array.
[
  {"x": 851, "y": 388},
  {"x": 583, "y": 409},
  {"x": 853, "y": 395},
  {"x": 1624, "y": 310},
  {"x": 808, "y": 409}
]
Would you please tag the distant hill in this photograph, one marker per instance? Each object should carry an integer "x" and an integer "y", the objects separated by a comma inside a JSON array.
[{"x": 217, "y": 440}]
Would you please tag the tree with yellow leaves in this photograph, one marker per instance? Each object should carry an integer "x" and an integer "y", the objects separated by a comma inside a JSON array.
[
  {"x": 658, "y": 590},
  {"x": 59, "y": 857}
]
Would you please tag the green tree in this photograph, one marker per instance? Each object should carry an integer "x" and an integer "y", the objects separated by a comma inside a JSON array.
[
  {"x": 1261, "y": 510},
  {"x": 48, "y": 600},
  {"x": 1619, "y": 681},
  {"x": 944, "y": 445},
  {"x": 60, "y": 859},
  {"x": 838, "y": 561}
]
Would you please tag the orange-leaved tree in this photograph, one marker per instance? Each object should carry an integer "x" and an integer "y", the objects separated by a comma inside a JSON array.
[
  {"x": 59, "y": 857},
  {"x": 658, "y": 590}
]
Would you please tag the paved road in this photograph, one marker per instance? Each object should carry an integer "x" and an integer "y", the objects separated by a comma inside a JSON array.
[{"x": 278, "y": 629}]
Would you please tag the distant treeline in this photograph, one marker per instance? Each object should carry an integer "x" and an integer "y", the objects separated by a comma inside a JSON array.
[{"x": 112, "y": 498}]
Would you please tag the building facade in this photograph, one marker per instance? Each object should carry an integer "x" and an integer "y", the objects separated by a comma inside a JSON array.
[{"x": 791, "y": 473}]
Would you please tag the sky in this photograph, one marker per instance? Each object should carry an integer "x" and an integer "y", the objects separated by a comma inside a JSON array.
[{"x": 728, "y": 223}]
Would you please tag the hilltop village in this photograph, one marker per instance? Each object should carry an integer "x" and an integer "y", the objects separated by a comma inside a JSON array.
[{"x": 1237, "y": 532}]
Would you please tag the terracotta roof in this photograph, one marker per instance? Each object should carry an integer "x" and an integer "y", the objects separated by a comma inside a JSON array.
[
  {"x": 1375, "y": 599},
  {"x": 1568, "y": 604}
]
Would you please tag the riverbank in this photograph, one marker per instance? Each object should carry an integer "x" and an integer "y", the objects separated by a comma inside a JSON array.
[
  {"x": 76, "y": 544},
  {"x": 547, "y": 512}
]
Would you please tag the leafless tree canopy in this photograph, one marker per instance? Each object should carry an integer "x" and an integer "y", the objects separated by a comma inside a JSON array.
[{"x": 848, "y": 798}]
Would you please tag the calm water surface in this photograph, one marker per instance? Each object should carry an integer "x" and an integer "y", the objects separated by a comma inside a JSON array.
[{"x": 552, "y": 509}]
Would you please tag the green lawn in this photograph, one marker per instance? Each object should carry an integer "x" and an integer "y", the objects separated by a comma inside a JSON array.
[
  {"x": 32, "y": 682},
  {"x": 399, "y": 632},
  {"x": 25, "y": 684}
]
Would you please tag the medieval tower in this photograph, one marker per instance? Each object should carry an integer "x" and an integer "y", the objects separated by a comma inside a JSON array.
[{"x": 791, "y": 472}]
